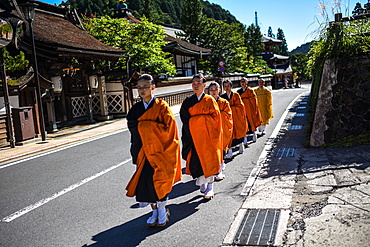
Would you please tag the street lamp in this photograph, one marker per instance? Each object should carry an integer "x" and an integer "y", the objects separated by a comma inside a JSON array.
[{"x": 29, "y": 13}]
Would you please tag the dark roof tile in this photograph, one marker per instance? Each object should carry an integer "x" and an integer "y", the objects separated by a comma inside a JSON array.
[
  {"x": 52, "y": 26},
  {"x": 186, "y": 45}
]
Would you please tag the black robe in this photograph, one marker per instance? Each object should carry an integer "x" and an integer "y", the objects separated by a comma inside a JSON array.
[
  {"x": 240, "y": 92},
  {"x": 235, "y": 141},
  {"x": 145, "y": 191},
  {"x": 195, "y": 167}
]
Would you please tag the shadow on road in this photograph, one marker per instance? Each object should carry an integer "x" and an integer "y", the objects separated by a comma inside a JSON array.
[{"x": 133, "y": 232}]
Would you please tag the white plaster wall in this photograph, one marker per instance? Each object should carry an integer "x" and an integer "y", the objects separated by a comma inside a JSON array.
[{"x": 14, "y": 102}]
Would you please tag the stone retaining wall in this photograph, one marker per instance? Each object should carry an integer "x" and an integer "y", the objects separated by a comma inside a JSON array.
[{"x": 343, "y": 102}]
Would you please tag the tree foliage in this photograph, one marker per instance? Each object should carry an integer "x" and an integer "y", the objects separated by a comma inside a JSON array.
[
  {"x": 14, "y": 64},
  {"x": 283, "y": 46},
  {"x": 253, "y": 40},
  {"x": 298, "y": 63},
  {"x": 157, "y": 11},
  {"x": 92, "y": 7},
  {"x": 224, "y": 47},
  {"x": 215, "y": 11},
  {"x": 270, "y": 33},
  {"x": 227, "y": 42},
  {"x": 305, "y": 48},
  {"x": 335, "y": 40},
  {"x": 143, "y": 41},
  {"x": 193, "y": 21},
  {"x": 358, "y": 10}
]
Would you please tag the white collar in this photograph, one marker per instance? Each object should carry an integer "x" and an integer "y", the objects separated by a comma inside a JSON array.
[
  {"x": 146, "y": 105},
  {"x": 228, "y": 95},
  {"x": 200, "y": 96}
]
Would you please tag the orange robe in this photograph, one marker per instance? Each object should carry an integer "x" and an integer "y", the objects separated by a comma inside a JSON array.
[
  {"x": 160, "y": 146},
  {"x": 240, "y": 126},
  {"x": 202, "y": 135},
  {"x": 252, "y": 111},
  {"x": 227, "y": 121},
  {"x": 265, "y": 104}
]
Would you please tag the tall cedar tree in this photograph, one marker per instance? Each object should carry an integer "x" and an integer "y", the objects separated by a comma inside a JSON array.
[
  {"x": 270, "y": 33},
  {"x": 367, "y": 6},
  {"x": 149, "y": 12},
  {"x": 358, "y": 10},
  {"x": 192, "y": 21},
  {"x": 253, "y": 40},
  {"x": 283, "y": 46}
]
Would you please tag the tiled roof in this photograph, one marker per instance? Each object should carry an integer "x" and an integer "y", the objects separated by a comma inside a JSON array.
[
  {"x": 186, "y": 45},
  {"x": 279, "y": 57},
  {"x": 52, "y": 26},
  {"x": 266, "y": 39}
]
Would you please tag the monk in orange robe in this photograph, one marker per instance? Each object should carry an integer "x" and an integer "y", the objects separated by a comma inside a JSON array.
[
  {"x": 265, "y": 105},
  {"x": 227, "y": 122},
  {"x": 240, "y": 126},
  {"x": 155, "y": 150},
  {"x": 252, "y": 111},
  {"x": 201, "y": 136}
]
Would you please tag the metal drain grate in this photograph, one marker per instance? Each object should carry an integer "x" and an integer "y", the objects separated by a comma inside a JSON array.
[
  {"x": 303, "y": 103},
  {"x": 258, "y": 227},
  {"x": 295, "y": 127},
  {"x": 299, "y": 115},
  {"x": 285, "y": 152},
  {"x": 301, "y": 107}
]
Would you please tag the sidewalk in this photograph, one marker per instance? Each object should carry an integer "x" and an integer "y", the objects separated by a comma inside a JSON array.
[{"x": 321, "y": 194}]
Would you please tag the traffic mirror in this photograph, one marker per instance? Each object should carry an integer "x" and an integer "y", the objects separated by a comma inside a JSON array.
[{"x": 6, "y": 33}]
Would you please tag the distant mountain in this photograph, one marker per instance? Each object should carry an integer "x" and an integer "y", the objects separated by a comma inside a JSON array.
[
  {"x": 167, "y": 11},
  {"x": 215, "y": 11},
  {"x": 305, "y": 48}
]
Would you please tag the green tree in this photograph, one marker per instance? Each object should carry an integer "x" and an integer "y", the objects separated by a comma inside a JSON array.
[
  {"x": 270, "y": 33},
  {"x": 143, "y": 41},
  {"x": 283, "y": 46},
  {"x": 149, "y": 11},
  {"x": 253, "y": 40},
  {"x": 367, "y": 7},
  {"x": 160, "y": 11},
  {"x": 14, "y": 64},
  {"x": 298, "y": 63},
  {"x": 227, "y": 44},
  {"x": 358, "y": 10},
  {"x": 192, "y": 21}
]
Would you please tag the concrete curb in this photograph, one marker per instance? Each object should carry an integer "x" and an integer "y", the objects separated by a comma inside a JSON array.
[{"x": 251, "y": 182}]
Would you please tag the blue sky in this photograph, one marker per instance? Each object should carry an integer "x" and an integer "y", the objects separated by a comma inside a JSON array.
[{"x": 298, "y": 19}]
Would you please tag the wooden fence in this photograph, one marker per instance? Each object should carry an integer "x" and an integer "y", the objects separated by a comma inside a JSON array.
[{"x": 3, "y": 131}]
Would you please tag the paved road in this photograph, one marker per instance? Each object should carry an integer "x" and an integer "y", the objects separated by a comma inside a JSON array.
[{"x": 76, "y": 197}]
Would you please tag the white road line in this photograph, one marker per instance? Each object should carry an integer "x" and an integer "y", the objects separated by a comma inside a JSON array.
[
  {"x": 61, "y": 148},
  {"x": 60, "y": 193}
]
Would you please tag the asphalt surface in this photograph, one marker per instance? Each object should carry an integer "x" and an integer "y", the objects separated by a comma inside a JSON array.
[{"x": 75, "y": 196}]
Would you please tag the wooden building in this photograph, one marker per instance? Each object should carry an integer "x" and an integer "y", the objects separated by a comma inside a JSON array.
[
  {"x": 278, "y": 63},
  {"x": 73, "y": 89}
]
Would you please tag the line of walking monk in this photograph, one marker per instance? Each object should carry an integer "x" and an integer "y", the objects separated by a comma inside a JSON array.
[{"x": 212, "y": 125}]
